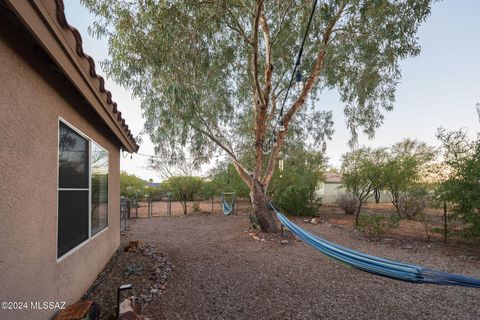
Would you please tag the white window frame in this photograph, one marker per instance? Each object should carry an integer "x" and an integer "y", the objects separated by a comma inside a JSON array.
[{"x": 90, "y": 237}]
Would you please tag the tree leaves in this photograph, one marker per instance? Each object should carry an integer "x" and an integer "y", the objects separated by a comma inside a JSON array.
[{"x": 190, "y": 63}]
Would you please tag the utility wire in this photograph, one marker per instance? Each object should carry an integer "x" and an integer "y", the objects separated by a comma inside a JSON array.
[{"x": 179, "y": 158}]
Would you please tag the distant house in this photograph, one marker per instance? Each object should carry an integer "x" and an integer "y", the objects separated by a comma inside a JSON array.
[
  {"x": 331, "y": 188},
  {"x": 154, "y": 184},
  {"x": 61, "y": 136}
]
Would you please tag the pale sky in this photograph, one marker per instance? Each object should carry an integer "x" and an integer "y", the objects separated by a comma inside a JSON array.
[{"x": 440, "y": 87}]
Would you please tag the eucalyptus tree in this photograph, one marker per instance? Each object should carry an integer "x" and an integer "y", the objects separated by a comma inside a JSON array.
[{"x": 213, "y": 76}]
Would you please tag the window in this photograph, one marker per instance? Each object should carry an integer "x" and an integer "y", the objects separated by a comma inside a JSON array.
[
  {"x": 99, "y": 218},
  {"x": 82, "y": 189}
]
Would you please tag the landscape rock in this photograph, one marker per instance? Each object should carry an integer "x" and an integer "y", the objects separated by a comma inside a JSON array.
[
  {"x": 134, "y": 246},
  {"x": 256, "y": 238},
  {"x": 80, "y": 310},
  {"x": 130, "y": 315},
  {"x": 130, "y": 304},
  {"x": 284, "y": 242}
]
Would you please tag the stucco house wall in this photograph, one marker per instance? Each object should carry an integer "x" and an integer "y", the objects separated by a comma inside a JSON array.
[
  {"x": 330, "y": 191},
  {"x": 32, "y": 100}
]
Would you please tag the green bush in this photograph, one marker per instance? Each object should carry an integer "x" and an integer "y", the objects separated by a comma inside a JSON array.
[
  {"x": 413, "y": 202},
  {"x": 297, "y": 200},
  {"x": 348, "y": 202},
  {"x": 376, "y": 226}
]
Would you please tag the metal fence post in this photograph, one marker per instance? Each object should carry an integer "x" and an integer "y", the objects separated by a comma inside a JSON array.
[
  {"x": 136, "y": 207},
  {"x": 445, "y": 221},
  {"x": 149, "y": 207}
]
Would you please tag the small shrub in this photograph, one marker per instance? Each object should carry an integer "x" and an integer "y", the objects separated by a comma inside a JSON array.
[
  {"x": 375, "y": 226},
  {"x": 297, "y": 200},
  {"x": 196, "y": 206},
  {"x": 348, "y": 202},
  {"x": 413, "y": 202},
  {"x": 133, "y": 269}
]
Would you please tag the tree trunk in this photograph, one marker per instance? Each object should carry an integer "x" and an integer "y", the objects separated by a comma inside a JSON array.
[
  {"x": 184, "y": 207},
  {"x": 357, "y": 214},
  {"x": 264, "y": 215},
  {"x": 377, "y": 196}
]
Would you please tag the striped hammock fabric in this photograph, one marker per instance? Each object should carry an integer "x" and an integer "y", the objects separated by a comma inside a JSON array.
[
  {"x": 228, "y": 207},
  {"x": 376, "y": 265}
]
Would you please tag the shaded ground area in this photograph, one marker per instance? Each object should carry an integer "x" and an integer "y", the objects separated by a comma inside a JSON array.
[{"x": 222, "y": 273}]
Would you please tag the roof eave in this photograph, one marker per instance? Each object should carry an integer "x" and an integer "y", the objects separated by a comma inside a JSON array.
[{"x": 46, "y": 22}]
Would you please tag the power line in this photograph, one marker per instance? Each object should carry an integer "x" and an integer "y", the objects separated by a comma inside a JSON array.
[{"x": 151, "y": 156}]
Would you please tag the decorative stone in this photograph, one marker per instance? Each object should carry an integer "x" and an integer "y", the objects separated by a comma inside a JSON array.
[
  {"x": 130, "y": 315},
  {"x": 80, "y": 310},
  {"x": 134, "y": 246},
  {"x": 130, "y": 304}
]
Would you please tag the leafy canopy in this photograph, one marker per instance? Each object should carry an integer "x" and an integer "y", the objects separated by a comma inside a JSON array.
[
  {"x": 131, "y": 186},
  {"x": 190, "y": 63},
  {"x": 461, "y": 189}
]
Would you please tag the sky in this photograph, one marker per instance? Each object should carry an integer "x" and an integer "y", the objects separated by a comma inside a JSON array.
[{"x": 439, "y": 88}]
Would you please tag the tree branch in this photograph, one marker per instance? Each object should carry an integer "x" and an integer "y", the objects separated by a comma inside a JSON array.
[
  {"x": 255, "y": 50},
  {"x": 282, "y": 20},
  {"x": 238, "y": 27},
  {"x": 316, "y": 69},
  {"x": 280, "y": 136}
]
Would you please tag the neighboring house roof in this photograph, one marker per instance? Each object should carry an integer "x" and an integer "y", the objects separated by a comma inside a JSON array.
[
  {"x": 154, "y": 184},
  {"x": 332, "y": 177},
  {"x": 45, "y": 20}
]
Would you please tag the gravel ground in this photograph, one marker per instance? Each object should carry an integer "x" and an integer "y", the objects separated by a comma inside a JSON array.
[{"x": 222, "y": 273}]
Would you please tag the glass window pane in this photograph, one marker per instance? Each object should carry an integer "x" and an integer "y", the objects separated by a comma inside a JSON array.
[
  {"x": 72, "y": 219},
  {"x": 73, "y": 159},
  {"x": 99, "y": 167}
]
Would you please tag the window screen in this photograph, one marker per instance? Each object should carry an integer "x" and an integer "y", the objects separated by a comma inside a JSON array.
[
  {"x": 72, "y": 219},
  {"x": 73, "y": 159}
]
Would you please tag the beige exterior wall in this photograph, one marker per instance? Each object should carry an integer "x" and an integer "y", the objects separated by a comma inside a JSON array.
[
  {"x": 31, "y": 101},
  {"x": 329, "y": 192}
]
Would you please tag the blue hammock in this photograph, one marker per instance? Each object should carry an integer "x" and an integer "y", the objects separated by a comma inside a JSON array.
[
  {"x": 376, "y": 265},
  {"x": 228, "y": 207}
]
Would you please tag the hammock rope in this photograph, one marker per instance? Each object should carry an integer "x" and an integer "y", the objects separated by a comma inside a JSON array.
[
  {"x": 376, "y": 265},
  {"x": 228, "y": 208}
]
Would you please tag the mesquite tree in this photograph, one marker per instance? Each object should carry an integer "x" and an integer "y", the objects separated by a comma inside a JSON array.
[
  {"x": 359, "y": 174},
  {"x": 212, "y": 75}
]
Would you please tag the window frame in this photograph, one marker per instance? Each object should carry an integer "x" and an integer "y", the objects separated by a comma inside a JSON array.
[{"x": 58, "y": 189}]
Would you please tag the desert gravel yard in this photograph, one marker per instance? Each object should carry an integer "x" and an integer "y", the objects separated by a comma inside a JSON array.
[{"x": 222, "y": 273}]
